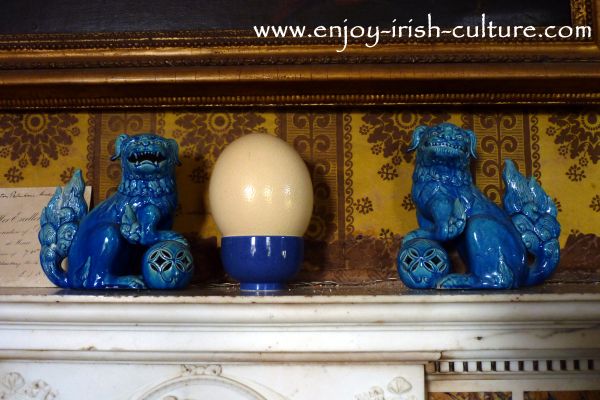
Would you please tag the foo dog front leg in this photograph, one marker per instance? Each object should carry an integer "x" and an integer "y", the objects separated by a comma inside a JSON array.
[
  {"x": 446, "y": 220},
  {"x": 142, "y": 227},
  {"x": 449, "y": 218}
]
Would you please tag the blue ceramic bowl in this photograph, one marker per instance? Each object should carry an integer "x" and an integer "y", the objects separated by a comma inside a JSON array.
[{"x": 262, "y": 262}]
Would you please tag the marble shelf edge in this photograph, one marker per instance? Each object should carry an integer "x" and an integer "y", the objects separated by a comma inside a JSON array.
[{"x": 355, "y": 328}]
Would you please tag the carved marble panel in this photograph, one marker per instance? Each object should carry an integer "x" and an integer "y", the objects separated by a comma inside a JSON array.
[{"x": 241, "y": 381}]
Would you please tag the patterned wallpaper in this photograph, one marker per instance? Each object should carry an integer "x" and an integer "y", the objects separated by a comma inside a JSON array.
[
  {"x": 557, "y": 395},
  {"x": 473, "y": 396},
  {"x": 563, "y": 395},
  {"x": 358, "y": 162}
]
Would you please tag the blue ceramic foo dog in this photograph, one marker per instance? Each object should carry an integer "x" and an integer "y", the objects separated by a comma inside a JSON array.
[
  {"x": 105, "y": 248},
  {"x": 493, "y": 242}
]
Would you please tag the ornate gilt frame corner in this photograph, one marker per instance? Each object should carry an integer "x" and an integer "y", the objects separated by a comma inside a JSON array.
[{"x": 232, "y": 68}]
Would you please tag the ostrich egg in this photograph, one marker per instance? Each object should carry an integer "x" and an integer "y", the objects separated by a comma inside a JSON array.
[{"x": 260, "y": 187}]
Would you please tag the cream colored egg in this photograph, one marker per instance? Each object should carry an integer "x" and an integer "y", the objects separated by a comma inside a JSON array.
[{"x": 260, "y": 187}]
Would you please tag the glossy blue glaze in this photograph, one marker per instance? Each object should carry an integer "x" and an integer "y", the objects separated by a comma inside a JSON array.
[
  {"x": 422, "y": 263},
  {"x": 262, "y": 262},
  {"x": 492, "y": 241},
  {"x": 104, "y": 247},
  {"x": 167, "y": 265}
]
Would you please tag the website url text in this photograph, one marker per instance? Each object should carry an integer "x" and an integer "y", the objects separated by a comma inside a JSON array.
[{"x": 372, "y": 35}]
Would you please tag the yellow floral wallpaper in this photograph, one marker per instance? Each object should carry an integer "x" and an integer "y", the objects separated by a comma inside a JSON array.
[
  {"x": 559, "y": 395},
  {"x": 358, "y": 161},
  {"x": 473, "y": 396},
  {"x": 563, "y": 395}
]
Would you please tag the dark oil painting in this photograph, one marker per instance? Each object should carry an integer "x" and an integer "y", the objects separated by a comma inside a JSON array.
[{"x": 89, "y": 16}]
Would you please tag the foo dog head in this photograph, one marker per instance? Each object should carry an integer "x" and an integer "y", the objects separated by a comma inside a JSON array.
[
  {"x": 445, "y": 143},
  {"x": 146, "y": 156}
]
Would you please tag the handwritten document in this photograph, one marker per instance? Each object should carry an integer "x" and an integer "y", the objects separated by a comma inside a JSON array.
[{"x": 20, "y": 210}]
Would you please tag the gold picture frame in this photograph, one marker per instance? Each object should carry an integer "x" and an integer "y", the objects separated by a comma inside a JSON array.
[{"x": 234, "y": 68}]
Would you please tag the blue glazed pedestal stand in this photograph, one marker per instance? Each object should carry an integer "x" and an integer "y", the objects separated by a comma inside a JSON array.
[{"x": 262, "y": 263}]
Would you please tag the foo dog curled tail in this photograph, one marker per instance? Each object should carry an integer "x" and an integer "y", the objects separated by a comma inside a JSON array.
[
  {"x": 533, "y": 213},
  {"x": 59, "y": 223},
  {"x": 493, "y": 242}
]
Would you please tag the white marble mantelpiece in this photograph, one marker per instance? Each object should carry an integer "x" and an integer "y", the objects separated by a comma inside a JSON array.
[{"x": 311, "y": 338}]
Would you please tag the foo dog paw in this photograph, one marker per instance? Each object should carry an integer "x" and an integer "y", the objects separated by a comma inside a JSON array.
[
  {"x": 129, "y": 282},
  {"x": 455, "y": 281},
  {"x": 130, "y": 227},
  {"x": 417, "y": 234},
  {"x": 455, "y": 224},
  {"x": 135, "y": 282},
  {"x": 173, "y": 236}
]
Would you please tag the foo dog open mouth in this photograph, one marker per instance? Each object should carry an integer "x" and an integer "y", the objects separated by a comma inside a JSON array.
[{"x": 139, "y": 158}]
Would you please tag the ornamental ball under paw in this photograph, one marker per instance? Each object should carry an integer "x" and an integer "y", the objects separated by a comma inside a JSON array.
[
  {"x": 167, "y": 265},
  {"x": 422, "y": 263}
]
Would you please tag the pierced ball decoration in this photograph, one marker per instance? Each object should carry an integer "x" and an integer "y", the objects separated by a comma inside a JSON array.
[
  {"x": 167, "y": 265},
  {"x": 261, "y": 198},
  {"x": 422, "y": 263}
]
